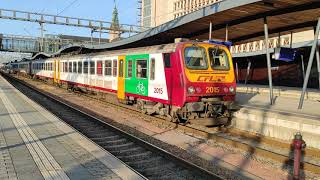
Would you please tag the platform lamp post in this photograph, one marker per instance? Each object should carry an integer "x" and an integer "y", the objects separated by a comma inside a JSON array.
[
  {"x": 210, "y": 30},
  {"x": 318, "y": 61},
  {"x": 311, "y": 57},
  {"x": 266, "y": 34}
]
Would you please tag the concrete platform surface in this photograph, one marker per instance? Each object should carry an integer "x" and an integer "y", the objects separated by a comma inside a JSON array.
[
  {"x": 292, "y": 92},
  {"x": 35, "y": 144},
  {"x": 280, "y": 120}
]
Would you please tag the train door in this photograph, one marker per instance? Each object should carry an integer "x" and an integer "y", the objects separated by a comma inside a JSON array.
[
  {"x": 58, "y": 64},
  {"x": 121, "y": 77},
  {"x": 55, "y": 71}
]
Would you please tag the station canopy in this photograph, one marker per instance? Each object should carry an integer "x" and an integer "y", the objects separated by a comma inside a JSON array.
[{"x": 244, "y": 20}]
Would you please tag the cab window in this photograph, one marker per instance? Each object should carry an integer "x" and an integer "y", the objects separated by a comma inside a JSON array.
[
  {"x": 218, "y": 59},
  {"x": 195, "y": 57}
]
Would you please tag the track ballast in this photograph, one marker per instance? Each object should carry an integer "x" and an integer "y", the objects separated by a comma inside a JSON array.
[{"x": 147, "y": 159}]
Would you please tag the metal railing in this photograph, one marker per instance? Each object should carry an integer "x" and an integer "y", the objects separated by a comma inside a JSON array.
[
  {"x": 260, "y": 45},
  {"x": 68, "y": 21},
  {"x": 16, "y": 43}
]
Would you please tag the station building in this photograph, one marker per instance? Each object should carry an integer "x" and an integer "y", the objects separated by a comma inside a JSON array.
[{"x": 249, "y": 54}]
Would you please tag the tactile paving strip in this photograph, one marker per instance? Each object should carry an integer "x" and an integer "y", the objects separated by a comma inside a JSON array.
[
  {"x": 6, "y": 167},
  {"x": 47, "y": 165}
]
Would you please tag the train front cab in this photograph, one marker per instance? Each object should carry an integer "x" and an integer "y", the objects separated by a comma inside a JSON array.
[{"x": 209, "y": 83}]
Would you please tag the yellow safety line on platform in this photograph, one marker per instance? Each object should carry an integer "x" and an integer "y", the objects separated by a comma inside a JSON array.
[{"x": 47, "y": 165}]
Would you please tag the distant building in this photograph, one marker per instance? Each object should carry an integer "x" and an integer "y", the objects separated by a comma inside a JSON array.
[
  {"x": 115, "y": 34},
  {"x": 157, "y": 12}
]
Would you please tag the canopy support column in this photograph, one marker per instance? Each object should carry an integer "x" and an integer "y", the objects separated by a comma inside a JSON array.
[
  {"x": 302, "y": 66},
  {"x": 210, "y": 30},
  {"x": 266, "y": 34},
  {"x": 227, "y": 32},
  {"x": 311, "y": 57},
  {"x": 318, "y": 64},
  {"x": 248, "y": 71}
]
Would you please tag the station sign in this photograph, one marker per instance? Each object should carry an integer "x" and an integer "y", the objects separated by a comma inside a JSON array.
[{"x": 285, "y": 54}]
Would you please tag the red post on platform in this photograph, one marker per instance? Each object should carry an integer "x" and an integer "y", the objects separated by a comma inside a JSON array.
[{"x": 298, "y": 145}]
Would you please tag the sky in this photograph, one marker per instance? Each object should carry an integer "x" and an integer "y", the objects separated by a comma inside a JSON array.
[{"x": 90, "y": 9}]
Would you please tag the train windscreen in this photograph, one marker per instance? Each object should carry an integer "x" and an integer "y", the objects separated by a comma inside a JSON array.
[
  {"x": 218, "y": 59},
  {"x": 195, "y": 57}
]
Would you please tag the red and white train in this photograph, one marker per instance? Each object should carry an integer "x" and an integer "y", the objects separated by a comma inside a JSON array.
[{"x": 186, "y": 81}]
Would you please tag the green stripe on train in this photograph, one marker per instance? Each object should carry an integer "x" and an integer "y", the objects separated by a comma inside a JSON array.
[{"x": 137, "y": 77}]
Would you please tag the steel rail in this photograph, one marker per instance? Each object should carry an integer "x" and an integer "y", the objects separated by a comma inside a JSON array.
[
  {"x": 182, "y": 162},
  {"x": 230, "y": 136}
]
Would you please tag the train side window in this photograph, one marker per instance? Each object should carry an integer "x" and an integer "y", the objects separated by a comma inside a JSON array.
[
  {"x": 121, "y": 68},
  {"x": 85, "y": 67},
  {"x": 166, "y": 59},
  {"x": 130, "y": 68},
  {"x": 141, "y": 68},
  {"x": 152, "y": 69},
  {"x": 75, "y": 67},
  {"x": 115, "y": 68},
  {"x": 108, "y": 68},
  {"x": 92, "y": 67},
  {"x": 70, "y": 67},
  {"x": 61, "y": 67},
  {"x": 99, "y": 68},
  {"x": 79, "y": 67},
  {"x": 65, "y": 66}
]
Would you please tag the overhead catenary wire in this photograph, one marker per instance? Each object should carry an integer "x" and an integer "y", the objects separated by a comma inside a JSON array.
[{"x": 67, "y": 7}]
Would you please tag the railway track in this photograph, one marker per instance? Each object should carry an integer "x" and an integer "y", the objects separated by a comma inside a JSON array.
[
  {"x": 233, "y": 137},
  {"x": 147, "y": 159}
]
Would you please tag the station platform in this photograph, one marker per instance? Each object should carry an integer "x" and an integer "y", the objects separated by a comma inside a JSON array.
[
  {"x": 282, "y": 119},
  {"x": 35, "y": 144}
]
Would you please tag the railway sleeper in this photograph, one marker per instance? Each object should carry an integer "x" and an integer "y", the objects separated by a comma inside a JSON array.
[
  {"x": 128, "y": 151},
  {"x": 114, "y": 142},
  {"x": 136, "y": 157},
  {"x": 160, "y": 171},
  {"x": 97, "y": 130},
  {"x": 99, "y": 135},
  {"x": 120, "y": 147},
  {"x": 156, "y": 161},
  {"x": 106, "y": 138}
]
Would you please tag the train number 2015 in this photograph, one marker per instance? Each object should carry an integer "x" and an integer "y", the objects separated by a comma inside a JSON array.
[
  {"x": 158, "y": 91},
  {"x": 212, "y": 90}
]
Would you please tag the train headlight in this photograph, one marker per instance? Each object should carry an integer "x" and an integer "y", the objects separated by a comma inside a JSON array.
[
  {"x": 191, "y": 90},
  {"x": 231, "y": 89}
]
